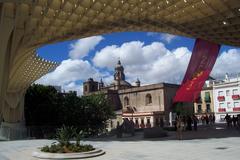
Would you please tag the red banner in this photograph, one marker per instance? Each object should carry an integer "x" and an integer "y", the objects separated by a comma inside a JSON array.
[{"x": 201, "y": 63}]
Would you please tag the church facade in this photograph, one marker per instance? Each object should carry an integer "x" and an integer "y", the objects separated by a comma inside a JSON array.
[{"x": 148, "y": 105}]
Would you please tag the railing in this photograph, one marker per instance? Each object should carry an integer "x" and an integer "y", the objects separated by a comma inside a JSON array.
[
  {"x": 208, "y": 110},
  {"x": 221, "y": 98},
  {"x": 221, "y": 109},
  {"x": 236, "y": 109},
  {"x": 235, "y": 97}
]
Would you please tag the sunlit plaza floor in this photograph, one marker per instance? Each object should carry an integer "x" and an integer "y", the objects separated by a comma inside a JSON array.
[{"x": 208, "y": 143}]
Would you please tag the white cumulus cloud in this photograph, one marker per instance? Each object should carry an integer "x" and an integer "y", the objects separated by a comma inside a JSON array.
[
  {"x": 130, "y": 53},
  {"x": 82, "y": 47},
  {"x": 72, "y": 70},
  {"x": 151, "y": 63},
  {"x": 162, "y": 36},
  {"x": 227, "y": 62},
  {"x": 68, "y": 73},
  {"x": 73, "y": 86}
]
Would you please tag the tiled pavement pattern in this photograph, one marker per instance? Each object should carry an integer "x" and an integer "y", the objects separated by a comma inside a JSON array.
[{"x": 208, "y": 143}]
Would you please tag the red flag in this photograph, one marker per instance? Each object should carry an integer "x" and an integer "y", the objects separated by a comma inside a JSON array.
[{"x": 201, "y": 63}]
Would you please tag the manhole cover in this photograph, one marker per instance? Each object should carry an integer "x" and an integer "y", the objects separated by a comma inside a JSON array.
[{"x": 222, "y": 148}]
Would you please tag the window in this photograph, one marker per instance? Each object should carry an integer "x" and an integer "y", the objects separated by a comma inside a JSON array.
[
  {"x": 227, "y": 92},
  {"x": 221, "y": 105},
  {"x": 228, "y": 104},
  {"x": 148, "y": 120},
  {"x": 136, "y": 120},
  {"x": 220, "y": 93},
  {"x": 199, "y": 109},
  {"x": 93, "y": 88},
  {"x": 126, "y": 101},
  {"x": 236, "y": 104},
  {"x": 207, "y": 97},
  {"x": 208, "y": 108},
  {"x": 148, "y": 99},
  {"x": 85, "y": 88},
  {"x": 142, "y": 121},
  {"x": 235, "y": 92}
]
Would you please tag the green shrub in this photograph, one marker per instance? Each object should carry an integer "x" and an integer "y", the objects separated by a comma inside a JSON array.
[
  {"x": 64, "y": 135},
  {"x": 72, "y": 147}
]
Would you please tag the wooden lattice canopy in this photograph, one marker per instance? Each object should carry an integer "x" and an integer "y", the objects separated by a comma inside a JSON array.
[
  {"x": 28, "y": 24},
  {"x": 40, "y": 22}
]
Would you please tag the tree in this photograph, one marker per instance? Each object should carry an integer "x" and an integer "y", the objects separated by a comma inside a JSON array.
[
  {"x": 44, "y": 106},
  {"x": 41, "y": 105},
  {"x": 97, "y": 110}
]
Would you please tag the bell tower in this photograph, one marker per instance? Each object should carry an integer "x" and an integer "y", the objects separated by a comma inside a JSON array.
[{"x": 119, "y": 72}]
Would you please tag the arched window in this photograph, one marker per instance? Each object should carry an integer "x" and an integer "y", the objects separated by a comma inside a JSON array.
[
  {"x": 148, "y": 99},
  {"x": 85, "y": 88},
  {"x": 126, "y": 101}
]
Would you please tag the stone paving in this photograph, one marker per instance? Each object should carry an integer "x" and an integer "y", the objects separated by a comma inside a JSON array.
[{"x": 208, "y": 143}]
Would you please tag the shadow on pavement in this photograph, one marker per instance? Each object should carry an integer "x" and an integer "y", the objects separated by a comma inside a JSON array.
[{"x": 203, "y": 132}]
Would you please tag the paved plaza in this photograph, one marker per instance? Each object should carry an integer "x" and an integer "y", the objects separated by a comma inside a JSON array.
[{"x": 210, "y": 143}]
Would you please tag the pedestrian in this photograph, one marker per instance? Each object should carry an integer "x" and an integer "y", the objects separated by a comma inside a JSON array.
[
  {"x": 234, "y": 120},
  {"x": 179, "y": 127},
  {"x": 214, "y": 118},
  {"x": 210, "y": 119},
  {"x": 195, "y": 121},
  {"x": 207, "y": 119},
  {"x": 203, "y": 120},
  {"x": 189, "y": 123},
  {"x": 238, "y": 121},
  {"x": 228, "y": 119},
  {"x": 119, "y": 130},
  {"x": 184, "y": 120}
]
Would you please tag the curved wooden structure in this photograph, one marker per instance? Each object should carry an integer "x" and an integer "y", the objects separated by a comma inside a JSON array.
[{"x": 28, "y": 24}]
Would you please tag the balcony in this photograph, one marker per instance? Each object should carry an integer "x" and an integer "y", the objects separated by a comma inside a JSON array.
[
  {"x": 221, "y": 98},
  {"x": 221, "y": 109},
  {"x": 236, "y": 109},
  {"x": 235, "y": 97}
]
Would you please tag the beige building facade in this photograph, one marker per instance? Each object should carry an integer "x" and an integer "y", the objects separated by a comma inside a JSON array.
[
  {"x": 204, "y": 105},
  {"x": 148, "y": 106}
]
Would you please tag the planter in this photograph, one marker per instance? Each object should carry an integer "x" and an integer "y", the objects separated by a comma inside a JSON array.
[{"x": 80, "y": 155}]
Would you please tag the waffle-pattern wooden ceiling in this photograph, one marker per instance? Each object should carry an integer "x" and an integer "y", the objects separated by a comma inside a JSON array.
[
  {"x": 41, "y": 22},
  {"x": 31, "y": 69},
  {"x": 47, "y": 21}
]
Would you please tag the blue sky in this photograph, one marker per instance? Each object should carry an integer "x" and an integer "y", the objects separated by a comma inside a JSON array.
[{"x": 152, "y": 57}]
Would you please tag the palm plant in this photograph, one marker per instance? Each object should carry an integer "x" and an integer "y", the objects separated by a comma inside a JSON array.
[
  {"x": 64, "y": 134},
  {"x": 78, "y": 136}
]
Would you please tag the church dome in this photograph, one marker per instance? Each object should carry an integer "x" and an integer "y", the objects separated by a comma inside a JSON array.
[{"x": 121, "y": 83}]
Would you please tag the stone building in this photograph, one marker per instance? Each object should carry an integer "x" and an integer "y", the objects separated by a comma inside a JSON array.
[
  {"x": 226, "y": 95},
  {"x": 204, "y": 104},
  {"x": 147, "y": 106}
]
